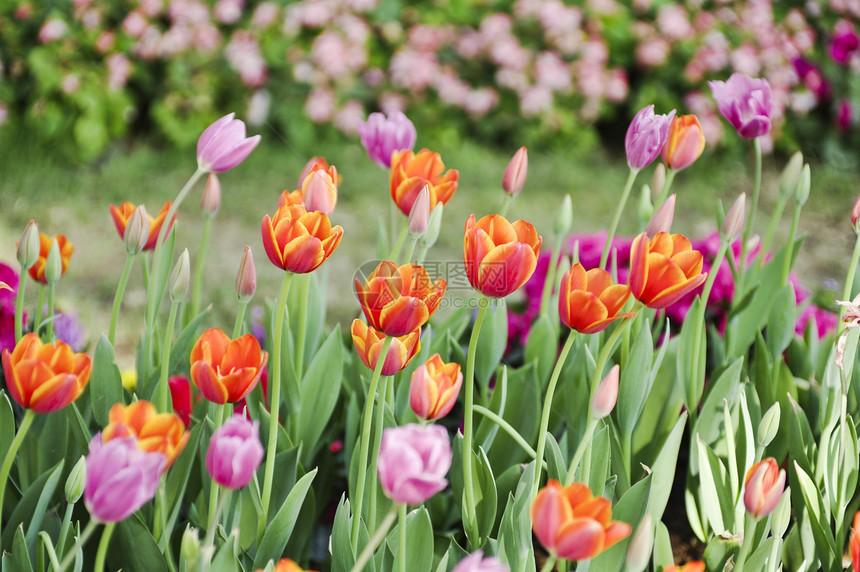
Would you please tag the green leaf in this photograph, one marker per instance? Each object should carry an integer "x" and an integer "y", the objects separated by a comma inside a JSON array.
[
  {"x": 180, "y": 350},
  {"x": 630, "y": 509},
  {"x": 320, "y": 390},
  {"x": 20, "y": 558},
  {"x": 663, "y": 471},
  {"x": 487, "y": 428},
  {"x": 542, "y": 347},
  {"x": 43, "y": 502},
  {"x": 515, "y": 531},
  {"x": 663, "y": 556},
  {"x": 105, "y": 381},
  {"x": 522, "y": 411},
  {"x": 342, "y": 557},
  {"x": 692, "y": 351},
  {"x": 780, "y": 324},
  {"x": 635, "y": 381},
  {"x": 419, "y": 541},
  {"x": 7, "y": 423},
  {"x": 556, "y": 464},
  {"x": 824, "y": 541},
  {"x": 25, "y": 510},
  {"x": 133, "y": 549},
  {"x": 278, "y": 532},
  {"x": 226, "y": 560},
  {"x": 715, "y": 496},
  {"x": 492, "y": 341}
]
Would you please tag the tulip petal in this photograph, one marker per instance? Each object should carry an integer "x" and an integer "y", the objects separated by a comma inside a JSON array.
[{"x": 580, "y": 539}]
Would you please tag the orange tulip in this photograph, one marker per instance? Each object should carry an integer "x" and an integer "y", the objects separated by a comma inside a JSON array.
[
  {"x": 854, "y": 543},
  {"x": 290, "y": 198},
  {"x": 313, "y": 164},
  {"x": 572, "y": 523},
  {"x": 411, "y": 171},
  {"x": 434, "y": 388},
  {"x": 286, "y": 565},
  {"x": 122, "y": 213},
  {"x": 37, "y": 271},
  {"x": 685, "y": 143},
  {"x": 317, "y": 188},
  {"x": 368, "y": 343},
  {"x": 588, "y": 300},
  {"x": 155, "y": 432},
  {"x": 694, "y": 566},
  {"x": 298, "y": 241},
  {"x": 398, "y": 301},
  {"x": 224, "y": 369},
  {"x": 500, "y": 256},
  {"x": 763, "y": 487},
  {"x": 663, "y": 269},
  {"x": 45, "y": 377}
]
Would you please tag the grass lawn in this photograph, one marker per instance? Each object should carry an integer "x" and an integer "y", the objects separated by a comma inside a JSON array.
[{"x": 74, "y": 200}]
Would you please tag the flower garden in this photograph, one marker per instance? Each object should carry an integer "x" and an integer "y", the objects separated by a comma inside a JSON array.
[{"x": 546, "y": 399}]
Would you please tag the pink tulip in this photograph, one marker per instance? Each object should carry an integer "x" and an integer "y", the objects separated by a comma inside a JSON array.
[
  {"x": 381, "y": 136},
  {"x": 514, "y": 178},
  {"x": 646, "y": 136},
  {"x": 606, "y": 394},
  {"x": 746, "y": 103},
  {"x": 763, "y": 487},
  {"x": 223, "y": 145},
  {"x": 661, "y": 220},
  {"x": 475, "y": 562},
  {"x": 434, "y": 388},
  {"x": 210, "y": 202},
  {"x": 419, "y": 215},
  {"x": 319, "y": 191},
  {"x": 413, "y": 462},
  {"x": 121, "y": 478},
  {"x": 234, "y": 452}
]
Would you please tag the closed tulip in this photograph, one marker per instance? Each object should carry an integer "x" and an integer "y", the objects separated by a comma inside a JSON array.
[
  {"x": 319, "y": 190},
  {"x": 516, "y": 172},
  {"x": 588, "y": 301},
  {"x": 234, "y": 452},
  {"x": 694, "y": 566},
  {"x": 572, "y": 523},
  {"x": 663, "y": 269},
  {"x": 381, "y": 136},
  {"x": 434, "y": 388},
  {"x": 854, "y": 543},
  {"x": 45, "y": 377},
  {"x": 223, "y": 145},
  {"x": 37, "y": 270},
  {"x": 155, "y": 432},
  {"x": 685, "y": 142},
  {"x": 399, "y": 300},
  {"x": 122, "y": 214},
  {"x": 298, "y": 241},
  {"x": 411, "y": 172},
  {"x": 476, "y": 562},
  {"x": 180, "y": 398},
  {"x": 413, "y": 462},
  {"x": 763, "y": 487},
  {"x": 746, "y": 103},
  {"x": 500, "y": 256},
  {"x": 286, "y": 565},
  {"x": 646, "y": 136},
  {"x": 368, "y": 343},
  {"x": 225, "y": 370}
]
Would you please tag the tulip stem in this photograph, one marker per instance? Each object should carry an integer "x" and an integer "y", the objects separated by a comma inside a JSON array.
[
  {"x": 580, "y": 449},
  {"x": 367, "y": 553},
  {"x": 469, "y": 386},
  {"x": 64, "y": 530},
  {"x": 50, "y": 318},
  {"x": 547, "y": 408},
  {"x": 550, "y": 562},
  {"x": 377, "y": 441},
  {"x": 399, "y": 244},
  {"x": 29, "y": 415},
  {"x": 401, "y": 552},
  {"x": 19, "y": 305},
  {"x": 366, "y": 419},
  {"x": 305, "y": 286},
  {"x": 789, "y": 247},
  {"x": 664, "y": 192},
  {"x": 38, "y": 318},
  {"x": 507, "y": 428},
  {"x": 617, "y": 216},
  {"x": 549, "y": 280},
  {"x": 506, "y": 204},
  {"x": 163, "y": 390},
  {"x": 739, "y": 291},
  {"x": 749, "y": 532},
  {"x": 771, "y": 228},
  {"x": 198, "y": 271},
  {"x": 79, "y": 543},
  {"x": 209, "y": 543},
  {"x": 411, "y": 251},
  {"x": 275, "y": 403},
  {"x": 715, "y": 268},
  {"x": 103, "y": 544},
  {"x": 240, "y": 319},
  {"x": 117, "y": 299},
  {"x": 848, "y": 289}
]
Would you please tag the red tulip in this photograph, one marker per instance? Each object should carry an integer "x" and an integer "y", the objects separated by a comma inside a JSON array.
[
  {"x": 663, "y": 269},
  {"x": 368, "y": 343},
  {"x": 588, "y": 301},
  {"x": 298, "y": 241},
  {"x": 411, "y": 172},
  {"x": 500, "y": 256}
]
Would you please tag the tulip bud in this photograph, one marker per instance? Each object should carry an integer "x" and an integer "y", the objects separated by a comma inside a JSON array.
[
  {"x": 662, "y": 219},
  {"x": 190, "y": 547},
  {"x": 136, "y": 231},
  {"x": 768, "y": 426},
  {"x": 246, "y": 278},
  {"x": 606, "y": 394},
  {"x": 76, "y": 481},
  {"x": 514, "y": 178},
  {"x": 801, "y": 191},
  {"x": 763, "y": 487},
  {"x": 419, "y": 215},
  {"x": 210, "y": 202},
  {"x": 791, "y": 175},
  {"x": 319, "y": 191},
  {"x": 433, "y": 226},
  {"x": 639, "y": 549},
  {"x": 28, "y": 246},
  {"x": 564, "y": 217},
  {"x": 645, "y": 207},
  {"x": 180, "y": 277},
  {"x": 53, "y": 264},
  {"x": 855, "y": 215},
  {"x": 659, "y": 178},
  {"x": 734, "y": 221},
  {"x": 309, "y": 166}
]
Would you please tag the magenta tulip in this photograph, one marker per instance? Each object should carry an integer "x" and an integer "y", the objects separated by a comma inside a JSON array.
[
  {"x": 234, "y": 452},
  {"x": 223, "y": 145},
  {"x": 746, "y": 103},
  {"x": 121, "y": 478},
  {"x": 475, "y": 562},
  {"x": 646, "y": 136},
  {"x": 381, "y": 136},
  {"x": 413, "y": 462}
]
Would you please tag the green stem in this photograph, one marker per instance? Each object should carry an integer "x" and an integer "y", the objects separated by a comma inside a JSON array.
[
  {"x": 507, "y": 428},
  {"x": 547, "y": 408},
  {"x": 771, "y": 227},
  {"x": 38, "y": 318},
  {"x": 422, "y": 254},
  {"x": 209, "y": 543},
  {"x": 506, "y": 204},
  {"x": 367, "y": 552},
  {"x": 401, "y": 552},
  {"x": 750, "y": 220},
  {"x": 303, "y": 323},
  {"x": 64, "y": 530},
  {"x": 617, "y": 216},
  {"x": 749, "y": 532},
  {"x": 50, "y": 318},
  {"x": 19, "y": 306},
  {"x": 275, "y": 401},
  {"x": 664, "y": 192},
  {"x": 411, "y": 251},
  {"x": 163, "y": 389},
  {"x": 117, "y": 299},
  {"x": 79, "y": 543},
  {"x": 198, "y": 271},
  {"x": 550, "y": 562},
  {"x": 367, "y": 418},
  {"x": 550, "y": 276},
  {"x": 221, "y": 414},
  {"x": 103, "y": 544},
  {"x": 580, "y": 449},
  {"x": 49, "y": 548},
  {"x": 240, "y": 318},
  {"x": 29, "y": 415},
  {"x": 399, "y": 244},
  {"x": 848, "y": 289},
  {"x": 715, "y": 267},
  {"x": 786, "y": 263},
  {"x": 469, "y": 386},
  {"x": 377, "y": 441}
]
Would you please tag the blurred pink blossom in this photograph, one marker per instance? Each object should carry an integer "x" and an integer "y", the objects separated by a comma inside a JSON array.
[
  {"x": 135, "y": 24},
  {"x": 495, "y": 25},
  {"x": 206, "y": 39},
  {"x": 362, "y": 5},
  {"x": 228, "y": 11},
  {"x": 119, "y": 70},
  {"x": 105, "y": 41},
  {"x": 258, "y": 107},
  {"x": 617, "y": 86},
  {"x": 52, "y": 30},
  {"x": 243, "y": 53},
  {"x": 314, "y": 13},
  {"x": 265, "y": 15},
  {"x": 152, "y": 8},
  {"x": 391, "y": 102},
  {"x": 429, "y": 38},
  {"x": 333, "y": 55},
  {"x": 745, "y": 60},
  {"x": 674, "y": 22},
  {"x": 469, "y": 44},
  {"x": 603, "y": 7},
  {"x": 188, "y": 12},
  {"x": 320, "y": 105},
  {"x": 507, "y": 52},
  {"x": 451, "y": 88},
  {"x": 653, "y": 51},
  {"x": 845, "y": 41},
  {"x": 92, "y": 19},
  {"x": 844, "y": 115},
  {"x": 413, "y": 70},
  {"x": 481, "y": 101},
  {"x": 535, "y": 100},
  {"x": 70, "y": 84},
  {"x": 348, "y": 116},
  {"x": 552, "y": 72},
  {"x": 175, "y": 40}
]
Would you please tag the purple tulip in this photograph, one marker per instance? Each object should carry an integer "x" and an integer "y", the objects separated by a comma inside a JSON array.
[
  {"x": 746, "y": 103},
  {"x": 845, "y": 42},
  {"x": 121, "y": 478},
  {"x": 475, "y": 562},
  {"x": 645, "y": 137},
  {"x": 223, "y": 145},
  {"x": 382, "y": 136},
  {"x": 413, "y": 462},
  {"x": 234, "y": 452}
]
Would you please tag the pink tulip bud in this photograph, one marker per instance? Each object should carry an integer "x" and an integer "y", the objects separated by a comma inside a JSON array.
[
  {"x": 234, "y": 452},
  {"x": 661, "y": 220},
  {"x": 210, "y": 202},
  {"x": 413, "y": 462},
  {"x": 514, "y": 178},
  {"x": 312, "y": 164},
  {"x": 137, "y": 231},
  {"x": 319, "y": 191},
  {"x": 246, "y": 278},
  {"x": 475, "y": 562},
  {"x": 419, "y": 215},
  {"x": 223, "y": 145},
  {"x": 434, "y": 388},
  {"x": 763, "y": 487},
  {"x": 734, "y": 221},
  {"x": 606, "y": 394},
  {"x": 855, "y": 214}
]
